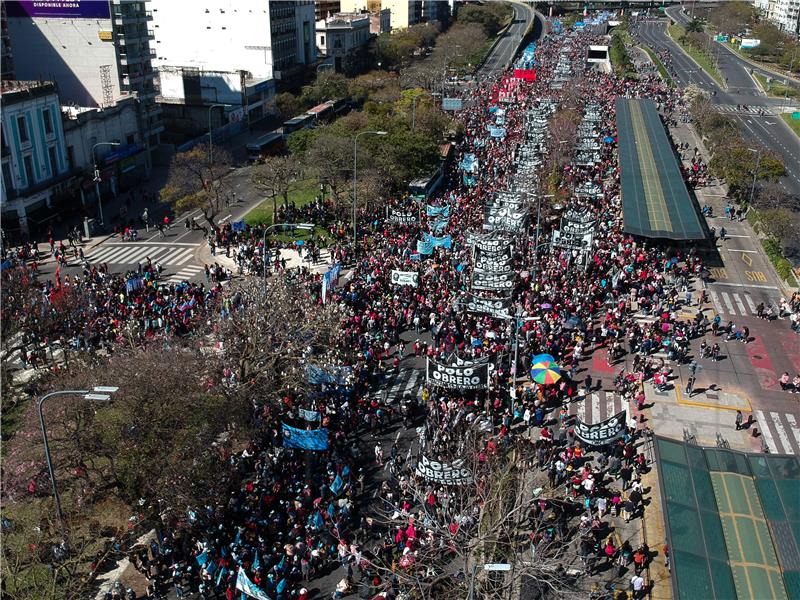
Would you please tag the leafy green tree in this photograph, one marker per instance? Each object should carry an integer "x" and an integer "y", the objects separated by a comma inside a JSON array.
[
  {"x": 276, "y": 177},
  {"x": 775, "y": 223},
  {"x": 328, "y": 85},
  {"x": 491, "y": 16},
  {"x": 288, "y": 105},
  {"x": 732, "y": 17},
  {"x": 695, "y": 26}
]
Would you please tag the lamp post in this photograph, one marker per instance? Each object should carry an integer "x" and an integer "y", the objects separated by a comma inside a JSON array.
[
  {"x": 97, "y": 177},
  {"x": 355, "y": 167},
  {"x": 210, "y": 142},
  {"x": 97, "y": 394},
  {"x": 302, "y": 226}
]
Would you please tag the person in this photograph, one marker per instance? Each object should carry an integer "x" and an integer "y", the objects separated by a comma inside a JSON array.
[
  {"x": 739, "y": 419},
  {"x": 690, "y": 385},
  {"x": 637, "y": 585},
  {"x": 722, "y": 233},
  {"x": 379, "y": 454}
]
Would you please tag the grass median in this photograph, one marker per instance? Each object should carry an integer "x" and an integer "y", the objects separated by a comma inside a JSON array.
[
  {"x": 794, "y": 124},
  {"x": 775, "y": 89},
  {"x": 659, "y": 65},
  {"x": 677, "y": 33}
]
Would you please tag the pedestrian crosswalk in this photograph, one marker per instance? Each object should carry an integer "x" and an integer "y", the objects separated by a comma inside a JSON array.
[
  {"x": 598, "y": 406},
  {"x": 185, "y": 274},
  {"x": 779, "y": 431},
  {"x": 167, "y": 254},
  {"x": 734, "y": 303},
  {"x": 406, "y": 381},
  {"x": 749, "y": 110}
]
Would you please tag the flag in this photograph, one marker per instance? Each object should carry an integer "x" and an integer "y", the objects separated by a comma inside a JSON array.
[
  {"x": 337, "y": 485},
  {"x": 424, "y": 247},
  {"x": 309, "y": 415},
  {"x": 256, "y": 562},
  {"x": 238, "y": 225},
  {"x": 222, "y": 573},
  {"x": 244, "y": 585},
  {"x": 202, "y": 558},
  {"x": 314, "y": 439}
]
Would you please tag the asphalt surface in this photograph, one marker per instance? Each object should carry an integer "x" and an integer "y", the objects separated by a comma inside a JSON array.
[
  {"x": 769, "y": 130},
  {"x": 508, "y": 44}
]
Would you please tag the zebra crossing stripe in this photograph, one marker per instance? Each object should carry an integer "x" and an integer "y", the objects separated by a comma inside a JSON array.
[
  {"x": 582, "y": 409},
  {"x": 184, "y": 259},
  {"x": 596, "y": 408},
  {"x": 715, "y": 302},
  {"x": 126, "y": 257},
  {"x": 109, "y": 253},
  {"x": 174, "y": 257},
  {"x": 793, "y": 427},
  {"x": 765, "y": 431},
  {"x": 787, "y": 445},
  {"x": 751, "y": 304},
  {"x": 728, "y": 303},
  {"x": 740, "y": 304},
  {"x": 137, "y": 256}
]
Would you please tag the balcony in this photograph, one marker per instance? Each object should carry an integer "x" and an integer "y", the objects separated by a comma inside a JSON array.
[{"x": 129, "y": 17}]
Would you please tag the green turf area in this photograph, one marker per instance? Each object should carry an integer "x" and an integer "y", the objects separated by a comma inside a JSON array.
[
  {"x": 676, "y": 32},
  {"x": 303, "y": 194},
  {"x": 775, "y": 88},
  {"x": 659, "y": 65},
  {"x": 794, "y": 124}
]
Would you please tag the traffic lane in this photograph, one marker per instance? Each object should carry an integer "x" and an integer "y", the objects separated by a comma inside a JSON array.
[
  {"x": 779, "y": 138},
  {"x": 687, "y": 71}
]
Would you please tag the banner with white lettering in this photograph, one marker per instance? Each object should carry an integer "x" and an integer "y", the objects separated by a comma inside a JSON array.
[
  {"x": 496, "y": 307},
  {"x": 500, "y": 262},
  {"x": 452, "y": 473},
  {"x": 402, "y": 217},
  {"x": 489, "y": 244},
  {"x": 492, "y": 281},
  {"x": 405, "y": 278},
  {"x": 601, "y": 433},
  {"x": 457, "y": 378}
]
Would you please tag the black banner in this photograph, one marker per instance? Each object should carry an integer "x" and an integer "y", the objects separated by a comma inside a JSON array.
[
  {"x": 602, "y": 433},
  {"x": 490, "y": 244},
  {"x": 402, "y": 217},
  {"x": 452, "y": 473},
  {"x": 494, "y": 262},
  {"x": 496, "y": 307},
  {"x": 493, "y": 281},
  {"x": 458, "y": 378}
]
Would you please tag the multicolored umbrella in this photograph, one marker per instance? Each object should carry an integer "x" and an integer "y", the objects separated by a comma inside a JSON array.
[
  {"x": 542, "y": 358},
  {"x": 545, "y": 372}
]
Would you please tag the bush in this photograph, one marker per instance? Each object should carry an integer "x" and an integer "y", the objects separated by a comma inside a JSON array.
[{"x": 782, "y": 266}]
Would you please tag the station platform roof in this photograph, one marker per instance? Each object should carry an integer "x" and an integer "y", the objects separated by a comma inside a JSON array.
[{"x": 655, "y": 201}]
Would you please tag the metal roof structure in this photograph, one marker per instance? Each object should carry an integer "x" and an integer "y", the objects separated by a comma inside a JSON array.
[
  {"x": 732, "y": 522},
  {"x": 655, "y": 202}
]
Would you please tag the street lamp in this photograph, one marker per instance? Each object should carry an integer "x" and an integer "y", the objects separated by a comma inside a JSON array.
[
  {"x": 301, "y": 226},
  {"x": 97, "y": 177},
  {"x": 96, "y": 394},
  {"x": 211, "y": 143},
  {"x": 355, "y": 167}
]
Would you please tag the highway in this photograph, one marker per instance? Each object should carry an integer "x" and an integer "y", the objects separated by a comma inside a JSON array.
[
  {"x": 506, "y": 48},
  {"x": 769, "y": 130}
]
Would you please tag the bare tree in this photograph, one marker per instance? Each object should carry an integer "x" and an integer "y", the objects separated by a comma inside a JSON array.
[
  {"x": 276, "y": 176},
  {"x": 331, "y": 158},
  {"x": 195, "y": 181}
]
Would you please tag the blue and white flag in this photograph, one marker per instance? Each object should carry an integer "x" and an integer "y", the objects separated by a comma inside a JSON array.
[
  {"x": 309, "y": 415},
  {"x": 244, "y": 585},
  {"x": 439, "y": 225},
  {"x": 469, "y": 181},
  {"x": 238, "y": 225},
  {"x": 304, "y": 439},
  {"x": 256, "y": 562},
  {"x": 424, "y": 247},
  {"x": 202, "y": 558},
  {"x": 497, "y": 132},
  {"x": 220, "y": 574},
  {"x": 438, "y": 211},
  {"x": 337, "y": 485},
  {"x": 445, "y": 242}
]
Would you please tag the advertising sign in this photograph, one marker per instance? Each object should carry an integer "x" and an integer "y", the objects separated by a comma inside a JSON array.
[
  {"x": 74, "y": 9},
  {"x": 601, "y": 433},
  {"x": 749, "y": 43},
  {"x": 458, "y": 378}
]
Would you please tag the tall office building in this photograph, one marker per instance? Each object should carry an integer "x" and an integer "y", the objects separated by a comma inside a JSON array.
[
  {"x": 95, "y": 52},
  {"x": 227, "y": 52},
  {"x": 326, "y": 8},
  {"x": 7, "y": 57}
]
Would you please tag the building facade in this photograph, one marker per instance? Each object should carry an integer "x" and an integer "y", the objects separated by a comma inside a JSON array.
[
  {"x": 404, "y": 13},
  {"x": 342, "y": 36},
  {"x": 785, "y": 14},
  {"x": 326, "y": 8},
  {"x": 34, "y": 156},
  {"x": 96, "y": 52},
  {"x": 226, "y": 52},
  {"x": 7, "y": 59},
  {"x": 380, "y": 22}
]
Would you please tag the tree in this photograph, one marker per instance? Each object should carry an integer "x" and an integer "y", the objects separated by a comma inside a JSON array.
[
  {"x": 775, "y": 223},
  {"x": 485, "y": 16},
  {"x": 330, "y": 157},
  {"x": 732, "y": 17},
  {"x": 276, "y": 176},
  {"x": 695, "y": 26},
  {"x": 328, "y": 85},
  {"x": 288, "y": 105},
  {"x": 770, "y": 194},
  {"x": 195, "y": 183}
]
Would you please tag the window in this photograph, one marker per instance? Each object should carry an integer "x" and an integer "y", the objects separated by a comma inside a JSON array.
[
  {"x": 48, "y": 122},
  {"x": 23, "y": 129},
  {"x": 8, "y": 182},
  {"x": 322, "y": 40},
  {"x": 51, "y": 153},
  {"x": 27, "y": 161}
]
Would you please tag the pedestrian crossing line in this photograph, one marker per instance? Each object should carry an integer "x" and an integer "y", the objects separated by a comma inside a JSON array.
[
  {"x": 177, "y": 258},
  {"x": 595, "y": 409},
  {"x": 751, "y": 304},
  {"x": 793, "y": 427},
  {"x": 125, "y": 257},
  {"x": 137, "y": 256},
  {"x": 740, "y": 304},
  {"x": 595, "y": 404},
  {"x": 110, "y": 253},
  {"x": 774, "y": 432},
  {"x": 728, "y": 303},
  {"x": 184, "y": 259},
  {"x": 184, "y": 274},
  {"x": 715, "y": 302}
]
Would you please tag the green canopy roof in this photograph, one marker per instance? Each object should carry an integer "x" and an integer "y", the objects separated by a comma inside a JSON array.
[
  {"x": 732, "y": 521},
  {"x": 655, "y": 202}
]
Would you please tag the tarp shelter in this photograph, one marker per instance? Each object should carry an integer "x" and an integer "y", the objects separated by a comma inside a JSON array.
[
  {"x": 732, "y": 521},
  {"x": 655, "y": 201}
]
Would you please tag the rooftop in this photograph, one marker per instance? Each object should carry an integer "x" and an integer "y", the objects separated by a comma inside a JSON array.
[
  {"x": 25, "y": 89},
  {"x": 732, "y": 520},
  {"x": 655, "y": 201}
]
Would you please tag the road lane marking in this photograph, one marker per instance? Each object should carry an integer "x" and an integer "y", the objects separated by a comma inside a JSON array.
[
  {"x": 596, "y": 418},
  {"x": 728, "y": 302},
  {"x": 747, "y": 260},
  {"x": 740, "y": 304},
  {"x": 751, "y": 304},
  {"x": 715, "y": 302},
  {"x": 794, "y": 429},
  {"x": 765, "y": 432},
  {"x": 787, "y": 445},
  {"x": 748, "y": 285}
]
